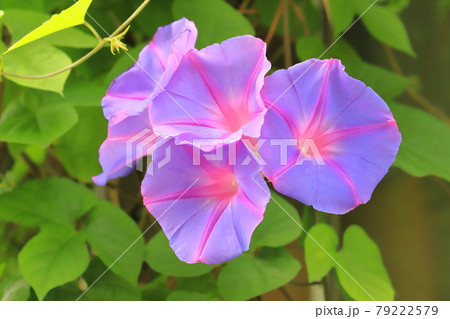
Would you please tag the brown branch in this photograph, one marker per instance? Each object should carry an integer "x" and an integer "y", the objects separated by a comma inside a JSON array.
[
  {"x": 427, "y": 105},
  {"x": 274, "y": 23},
  {"x": 440, "y": 39},
  {"x": 414, "y": 95},
  {"x": 301, "y": 17},
  {"x": 327, "y": 8},
  {"x": 286, "y": 36}
]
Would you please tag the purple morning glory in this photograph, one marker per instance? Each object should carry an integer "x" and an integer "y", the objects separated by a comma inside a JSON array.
[
  {"x": 131, "y": 94},
  {"x": 218, "y": 88},
  {"x": 207, "y": 207},
  {"x": 321, "y": 137},
  {"x": 330, "y": 138}
]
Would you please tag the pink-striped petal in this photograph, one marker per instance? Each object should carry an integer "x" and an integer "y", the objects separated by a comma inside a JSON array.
[
  {"x": 342, "y": 136},
  {"x": 215, "y": 93},
  {"x": 208, "y": 211}
]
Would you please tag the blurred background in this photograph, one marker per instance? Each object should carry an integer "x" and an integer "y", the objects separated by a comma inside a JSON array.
[{"x": 399, "y": 47}]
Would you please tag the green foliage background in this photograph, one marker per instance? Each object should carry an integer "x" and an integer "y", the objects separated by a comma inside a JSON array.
[{"x": 60, "y": 233}]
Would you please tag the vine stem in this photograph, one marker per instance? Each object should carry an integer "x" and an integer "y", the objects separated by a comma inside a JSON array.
[
  {"x": 98, "y": 47},
  {"x": 130, "y": 18},
  {"x": 94, "y": 32}
]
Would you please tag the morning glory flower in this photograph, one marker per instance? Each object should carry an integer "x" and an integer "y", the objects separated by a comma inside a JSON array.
[
  {"x": 208, "y": 204},
  {"x": 131, "y": 94},
  {"x": 330, "y": 138},
  {"x": 218, "y": 88}
]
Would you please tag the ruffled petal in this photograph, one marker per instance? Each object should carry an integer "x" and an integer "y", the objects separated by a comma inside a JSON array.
[
  {"x": 132, "y": 91},
  {"x": 205, "y": 208},
  {"x": 127, "y": 142},
  {"x": 130, "y": 95},
  {"x": 352, "y": 136},
  {"x": 221, "y": 98}
]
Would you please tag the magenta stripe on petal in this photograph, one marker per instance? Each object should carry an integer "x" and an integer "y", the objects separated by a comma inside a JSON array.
[
  {"x": 215, "y": 93},
  {"x": 354, "y": 135},
  {"x": 208, "y": 211},
  {"x": 129, "y": 97}
]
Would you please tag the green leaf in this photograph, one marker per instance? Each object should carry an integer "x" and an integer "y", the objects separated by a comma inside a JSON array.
[
  {"x": 277, "y": 228},
  {"x": 205, "y": 284},
  {"x": 110, "y": 287},
  {"x": 110, "y": 232},
  {"x": 317, "y": 260},
  {"x": 360, "y": 272},
  {"x": 34, "y": 5},
  {"x": 342, "y": 13},
  {"x": 14, "y": 289},
  {"x": 386, "y": 26},
  {"x": 180, "y": 295},
  {"x": 246, "y": 277},
  {"x": 361, "y": 258},
  {"x": 37, "y": 154},
  {"x": 424, "y": 149},
  {"x": 80, "y": 92},
  {"x": 216, "y": 20},
  {"x": 161, "y": 258},
  {"x": 159, "y": 14},
  {"x": 78, "y": 148},
  {"x": 51, "y": 259},
  {"x": 67, "y": 18},
  {"x": 309, "y": 47},
  {"x": 40, "y": 202},
  {"x": 386, "y": 83},
  {"x": 156, "y": 290},
  {"x": 38, "y": 59},
  {"x": 36, "y": 119},
  {"x": 397, "y": 5},
  {"x": 68, "y": 292}
]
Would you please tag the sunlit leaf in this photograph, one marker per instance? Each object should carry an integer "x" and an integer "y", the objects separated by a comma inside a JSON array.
[
  {"x": 246, "y": 276},
  {"x": 19, "y": 22},
  {"x": 67, "y": 18},
  {"x": 161, "y": 258},
  {"x": 110, "y": 232},
  {"x": 216, "y": 20},
  {"x": 51, "y": 259},
  {"x": 424, "y": 149}
]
